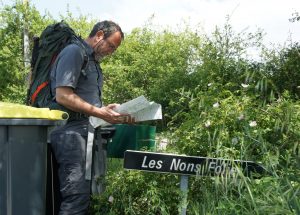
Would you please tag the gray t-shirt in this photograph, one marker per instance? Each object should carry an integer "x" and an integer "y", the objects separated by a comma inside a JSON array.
[{"x": 67, "y": 72}]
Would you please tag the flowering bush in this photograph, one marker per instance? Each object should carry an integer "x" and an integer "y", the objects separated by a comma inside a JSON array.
[{"x": 246, "y": 128}]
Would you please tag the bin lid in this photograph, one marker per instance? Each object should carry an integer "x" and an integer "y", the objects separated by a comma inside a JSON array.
[
  {"x": 39, "y": 122},
  {"x": 19, "y": 111}
]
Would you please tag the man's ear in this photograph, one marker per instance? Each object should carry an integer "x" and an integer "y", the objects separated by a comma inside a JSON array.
[{"x": 99, "y": 36}]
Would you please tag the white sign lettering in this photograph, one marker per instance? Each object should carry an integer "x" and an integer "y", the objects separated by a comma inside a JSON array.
[
  {"x": 152, "y": 164},
  {"x": 188, "y": 165}
]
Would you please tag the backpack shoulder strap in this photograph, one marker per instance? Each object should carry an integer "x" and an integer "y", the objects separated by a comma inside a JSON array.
[
  {"x": 84, "y": 65},
  {"x": 78, "y": 41}
]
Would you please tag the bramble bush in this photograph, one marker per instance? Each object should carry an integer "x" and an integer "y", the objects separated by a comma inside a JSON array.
[{"x": 240, "y": 127}]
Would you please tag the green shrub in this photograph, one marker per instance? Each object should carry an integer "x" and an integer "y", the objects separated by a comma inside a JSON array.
[
  {"x": 216, "y": 123},
  {"x": 138, "y": 193}
]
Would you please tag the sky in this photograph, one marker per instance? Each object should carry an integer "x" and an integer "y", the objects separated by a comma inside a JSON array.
[{"x": 270, "y": 15}]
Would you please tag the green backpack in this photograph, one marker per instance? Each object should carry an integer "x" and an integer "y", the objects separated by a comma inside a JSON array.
[{"x": 45, "y": 50}]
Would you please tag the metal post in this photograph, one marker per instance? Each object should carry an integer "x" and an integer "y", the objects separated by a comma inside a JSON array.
[{"x": 184, "y": 181}]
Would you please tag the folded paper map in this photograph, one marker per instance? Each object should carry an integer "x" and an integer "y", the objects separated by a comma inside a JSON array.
[{"x": 140, "y": 108}]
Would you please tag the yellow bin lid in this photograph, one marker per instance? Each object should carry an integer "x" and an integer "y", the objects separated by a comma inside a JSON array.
[{"x": 11, "y": 110}]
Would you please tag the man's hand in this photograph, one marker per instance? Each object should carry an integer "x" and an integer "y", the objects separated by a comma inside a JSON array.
[
  {"x": 113, "y": 117},
  {"x": 66, "y": 97}
]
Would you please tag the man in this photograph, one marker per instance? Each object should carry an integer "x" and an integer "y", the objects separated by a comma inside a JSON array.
[{"x": 79, "y": 91}]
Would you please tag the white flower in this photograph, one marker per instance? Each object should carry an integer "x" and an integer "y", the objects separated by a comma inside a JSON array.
[
  {"x": 252, "y": 123},
  {"x": 163, "y": 144},
  {"x": 234, "y": 140},
  {"x": 216, "y": 105},
  {"x": 111, "y": 199},
  {"x": 245, "y": 85},
  {"x": 241, "y": 117},
  {"x": 209, "y": 84},
  {"x": 207, "y": 123}
]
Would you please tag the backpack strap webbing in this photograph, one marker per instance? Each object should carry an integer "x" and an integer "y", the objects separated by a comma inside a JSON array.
[{"x": 38, "y": 89}]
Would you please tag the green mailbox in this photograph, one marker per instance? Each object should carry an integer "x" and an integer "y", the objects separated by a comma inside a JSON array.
[{"x": 131, "y": 137}]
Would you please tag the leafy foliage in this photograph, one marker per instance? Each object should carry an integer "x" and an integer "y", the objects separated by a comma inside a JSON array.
[
  {"x": 13, "y": 74},
  {"x": 295, "y": 18},
  {"x": 283, "y": 70},
  {"x": 138, "y": 193},
  {"x": 149, "y": 63}
]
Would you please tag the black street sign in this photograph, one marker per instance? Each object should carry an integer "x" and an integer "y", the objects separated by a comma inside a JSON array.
[{"x": 190, "y": 165}]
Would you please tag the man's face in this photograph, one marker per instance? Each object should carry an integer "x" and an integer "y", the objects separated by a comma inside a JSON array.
[{"x": 107, "y": 46}]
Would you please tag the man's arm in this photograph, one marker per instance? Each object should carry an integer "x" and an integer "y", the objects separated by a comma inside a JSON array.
[{"x": 66, "y": 97}]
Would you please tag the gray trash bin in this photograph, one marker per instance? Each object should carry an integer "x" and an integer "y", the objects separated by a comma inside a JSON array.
[{"x": 23, "y": 165}]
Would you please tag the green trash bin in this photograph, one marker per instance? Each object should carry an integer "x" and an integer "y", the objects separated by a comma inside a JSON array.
[
  {"x": 131, "y": 137},
  {"x": 23, "y": 166}
]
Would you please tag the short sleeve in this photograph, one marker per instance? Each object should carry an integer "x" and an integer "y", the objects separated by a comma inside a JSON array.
[{"x": 68, "y": 68}]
